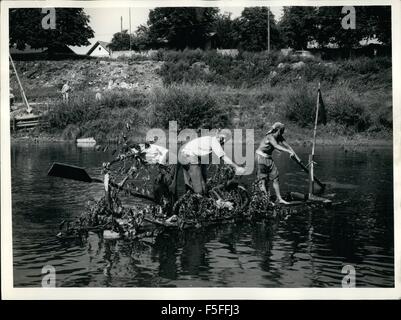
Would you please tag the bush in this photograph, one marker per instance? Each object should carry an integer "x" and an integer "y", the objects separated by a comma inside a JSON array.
[
  {"x": 84, "y": 116},
  {"x": 191, "y": 106},
  {"x": 365, "y": 65},
  {"x": 300, "y": 104},
  {"x": 111, "y": 124},
  {"x": 314, "y": 72},
  {"x": 183, "y": 72},
  {"x": 124, "y": 99},
  {"x": 246, "y": 70},
  {"x": 63, "y": 114},
  {"x": 346, "y": 107},
  {"x": 72, "y": 132}
]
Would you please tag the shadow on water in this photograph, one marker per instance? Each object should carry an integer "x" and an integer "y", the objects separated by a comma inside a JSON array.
[{"x": 301, "y": 248}]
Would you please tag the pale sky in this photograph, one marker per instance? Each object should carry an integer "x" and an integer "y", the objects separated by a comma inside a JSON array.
[{"x": 106, "y": 21}]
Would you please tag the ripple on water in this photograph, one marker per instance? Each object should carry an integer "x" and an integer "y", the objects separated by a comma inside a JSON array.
[{"x": 307, "y": 249}]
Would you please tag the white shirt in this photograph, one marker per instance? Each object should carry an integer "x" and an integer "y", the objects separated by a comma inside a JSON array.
[
  {"x": 65, "y": 88},
  {"x": 203, "y": 146},
  {"x": 155, "y": 154}
]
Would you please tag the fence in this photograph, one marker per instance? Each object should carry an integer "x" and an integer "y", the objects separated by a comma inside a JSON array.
[{"x": 26, "y": 121}]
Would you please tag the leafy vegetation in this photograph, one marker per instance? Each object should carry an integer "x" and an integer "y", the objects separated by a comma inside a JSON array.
[
  {"x": 72, "y": 28},
  {"x": 253, "y": 90},
  {"x": 189, "y": 27},
  {"x": 192, "y": 107}
]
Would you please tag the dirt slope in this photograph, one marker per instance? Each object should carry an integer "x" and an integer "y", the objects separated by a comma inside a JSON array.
[{"x": 43, "y": 80}]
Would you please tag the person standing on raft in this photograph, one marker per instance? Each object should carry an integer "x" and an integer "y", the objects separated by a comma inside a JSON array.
[
  {"x": 193, "y": 153},
  {"x": 266, "y": 168}
]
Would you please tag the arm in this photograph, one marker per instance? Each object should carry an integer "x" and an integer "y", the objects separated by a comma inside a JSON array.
[
  {"x": 277, "y": 146},
  {"x": 218, "y": 150},
  {"x": 238, "y": 169},
  {"x": 229, "y": 162},
  {"x": 285, "y": 144}
]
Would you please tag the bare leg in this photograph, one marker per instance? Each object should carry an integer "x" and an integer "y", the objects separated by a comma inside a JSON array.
[
  {"x": 276, "y": 187},
  {"x": 263, "y": 188}
]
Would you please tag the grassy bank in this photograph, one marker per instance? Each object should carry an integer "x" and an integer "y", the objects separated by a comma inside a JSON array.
[{"x": 251, "y": 91}]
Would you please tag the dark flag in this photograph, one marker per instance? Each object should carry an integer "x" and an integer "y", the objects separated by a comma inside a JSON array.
[{"x": 322, "y": 115}]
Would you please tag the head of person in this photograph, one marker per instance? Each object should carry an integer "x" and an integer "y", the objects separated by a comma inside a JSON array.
[{"x": 277, "y": 128}]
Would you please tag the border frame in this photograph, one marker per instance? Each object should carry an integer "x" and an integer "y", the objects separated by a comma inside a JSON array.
[{"x": 9, "y": 292}]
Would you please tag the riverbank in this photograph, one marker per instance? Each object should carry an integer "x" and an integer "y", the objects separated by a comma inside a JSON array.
[
  {"x": 295, "y": 139},
  {"x": 199, "y": 89}
]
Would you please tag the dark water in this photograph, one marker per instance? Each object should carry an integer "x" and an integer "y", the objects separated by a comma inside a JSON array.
[{"x": 308, "y": 249}]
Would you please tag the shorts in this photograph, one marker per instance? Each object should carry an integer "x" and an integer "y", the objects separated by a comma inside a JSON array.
[
  {"x": 195, "y": 177},
  {"x": 266, "y": 168},
  {"x": 195, "y": 173}
]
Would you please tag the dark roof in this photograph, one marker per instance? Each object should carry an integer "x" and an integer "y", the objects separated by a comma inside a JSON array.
[
  {"x": 29, "y": 50},
  {"x": 104, "y": 44}
]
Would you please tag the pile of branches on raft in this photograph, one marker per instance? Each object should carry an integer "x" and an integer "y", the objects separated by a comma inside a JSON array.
[{"x": 226, "y": 201}]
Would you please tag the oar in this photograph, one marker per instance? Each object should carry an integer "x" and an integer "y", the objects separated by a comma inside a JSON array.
[
  {"x": 67, "y": 171},
  {"x": 322, "y": 185}
]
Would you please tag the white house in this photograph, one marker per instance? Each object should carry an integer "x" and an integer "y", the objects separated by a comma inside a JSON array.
[{"x": 99, "y": 49}]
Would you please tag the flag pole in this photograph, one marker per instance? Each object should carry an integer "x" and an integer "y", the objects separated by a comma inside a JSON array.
[
  {"x": 311, "y": 156},
  {"x": 268, "y": 29},
  {"x": 130, "y": 45}
]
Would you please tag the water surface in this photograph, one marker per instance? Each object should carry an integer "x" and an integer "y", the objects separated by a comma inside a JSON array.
[{"x": 307, "y": 249}]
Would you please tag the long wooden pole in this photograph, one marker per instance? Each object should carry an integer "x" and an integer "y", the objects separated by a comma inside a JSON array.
[
  {"x": 24, "y": 99},
  {"x": 268, "y": 29},
  {"x": 312, "y": 155},
  {"x": 130, "y": 45},
  {"x": 304, "y": 168}
]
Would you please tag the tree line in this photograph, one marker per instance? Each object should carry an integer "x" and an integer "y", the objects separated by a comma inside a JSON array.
[
  {"x": 187, "y": 27},
  {"x": 190, "y": 27}
]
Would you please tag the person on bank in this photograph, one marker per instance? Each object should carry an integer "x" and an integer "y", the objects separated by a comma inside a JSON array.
[
  {"x": 198, "y": 149},
  {"x": 65, "y": 91},
  {"x": 266, "y": 168}
]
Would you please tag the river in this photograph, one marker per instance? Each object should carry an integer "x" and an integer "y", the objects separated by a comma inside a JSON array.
[{"x": 306, "y": 249}]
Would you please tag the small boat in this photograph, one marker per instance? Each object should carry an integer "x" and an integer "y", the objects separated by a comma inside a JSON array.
[{"x": 86, "y": 142}]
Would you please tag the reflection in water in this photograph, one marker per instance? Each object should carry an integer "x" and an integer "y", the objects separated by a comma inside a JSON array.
[{"x": 301, "y": 248}]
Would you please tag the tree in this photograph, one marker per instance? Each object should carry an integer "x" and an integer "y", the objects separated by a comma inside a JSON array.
[
  {"x": 252, "y": 29},
  {"x": 142, "y": 38},
  {"x": 371, "y": 22},
  {"x": 375, "y": 22},
  {"x": 139, "y": 40},
  {"x": 181, "y": 27},
  {"x": 298, "y": 26},
  {"x": 331, "y": 31},
  {"x": 120, "y": 41},
  {"x": 72, "y": 28},
  {"x": 226, "y": 32}
]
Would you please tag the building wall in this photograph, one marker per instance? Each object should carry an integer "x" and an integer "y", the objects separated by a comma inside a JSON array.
[
  {"x": 127, "y": 54},
  {"x": 99, "y": 52}
]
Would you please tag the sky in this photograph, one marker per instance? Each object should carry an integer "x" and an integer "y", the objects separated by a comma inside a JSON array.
[{"x": 107, "y": 21}]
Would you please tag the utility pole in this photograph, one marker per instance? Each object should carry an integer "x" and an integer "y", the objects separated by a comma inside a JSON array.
[
  {"x": 268, "y": 29},
  {"x": 130, "y": 45},
  {"x": 121, "y": 24}
]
